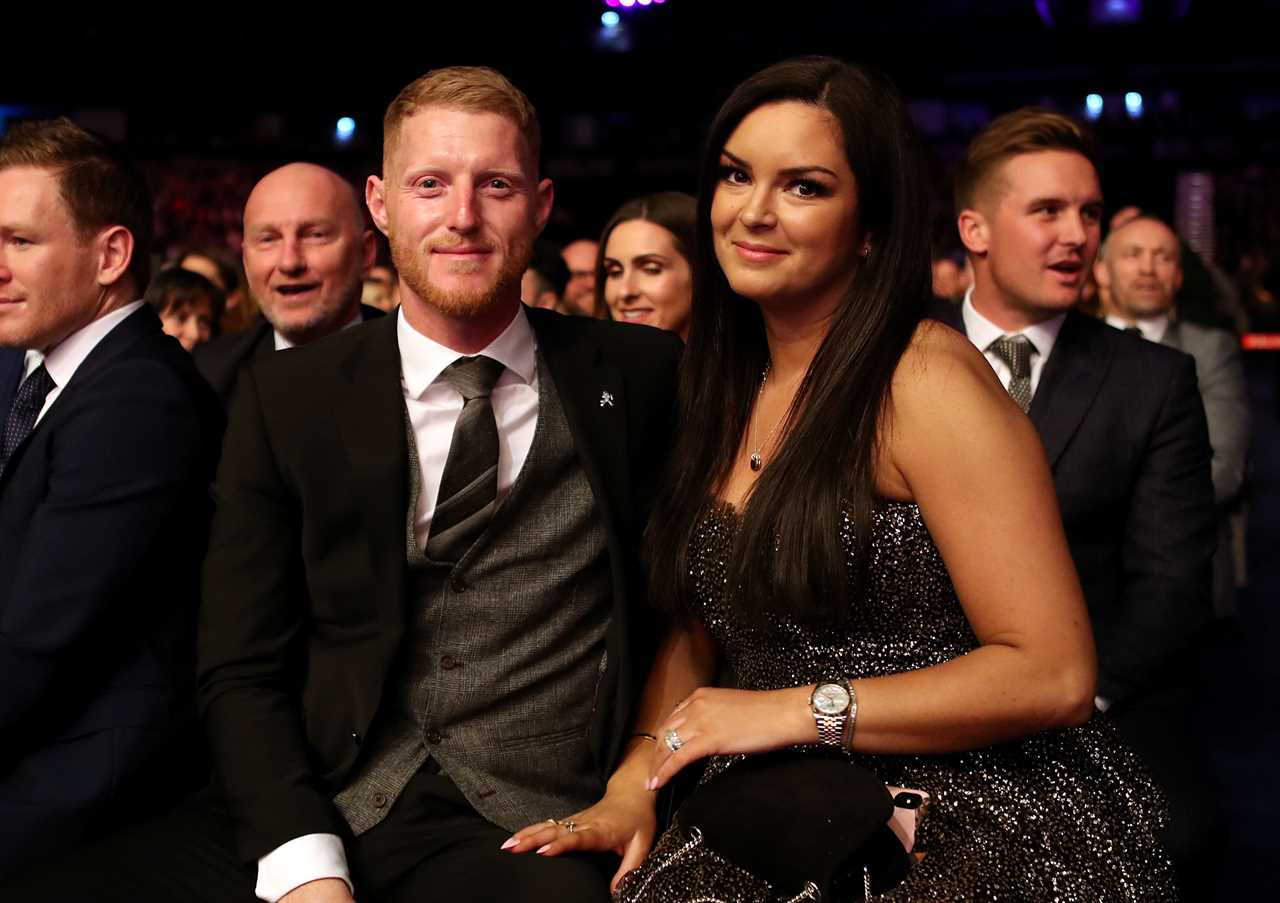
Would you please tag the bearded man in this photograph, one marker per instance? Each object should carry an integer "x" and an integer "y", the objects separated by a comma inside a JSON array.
[{"x": 423, "y": 623}]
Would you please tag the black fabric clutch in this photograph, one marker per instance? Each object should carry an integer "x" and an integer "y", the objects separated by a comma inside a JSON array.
[{"x": 795, "y": 817}]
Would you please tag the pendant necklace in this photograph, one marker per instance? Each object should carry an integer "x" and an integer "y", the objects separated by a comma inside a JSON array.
[{"x": 757, "y": 457}]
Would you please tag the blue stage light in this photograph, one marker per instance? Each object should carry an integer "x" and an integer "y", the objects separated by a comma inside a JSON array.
[
  {"x": 1093, "y": 106},
  {"x": 345, "y": 129},
  {"x": 1133, "y": 104},
  {"x": 610, "y": 19}
]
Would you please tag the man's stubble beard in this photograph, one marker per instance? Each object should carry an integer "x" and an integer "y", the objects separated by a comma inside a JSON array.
[{"x": 412, "y": 267}]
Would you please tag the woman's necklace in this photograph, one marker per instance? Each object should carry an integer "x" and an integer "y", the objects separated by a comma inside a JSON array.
[{"x": 757, "y": 456}]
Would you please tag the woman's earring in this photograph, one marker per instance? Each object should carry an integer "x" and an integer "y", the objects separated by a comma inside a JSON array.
[{"x": 866, "y": 249}]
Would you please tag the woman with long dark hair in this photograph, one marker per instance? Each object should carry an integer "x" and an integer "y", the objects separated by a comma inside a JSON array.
[
  {"x": 644, "y": 269},
  {"x": 861, "y": 523}
]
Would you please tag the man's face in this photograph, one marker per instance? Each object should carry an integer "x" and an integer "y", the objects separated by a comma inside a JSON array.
[
  {"x": 579, "y": 291},
  {"x": 461, "y": 205},
  {"x": 305, "y": 251},
  {"x": 48, "y": 274},
  {"x": 1142, "y": 269},
  {"x": 1035, "y": 233}
]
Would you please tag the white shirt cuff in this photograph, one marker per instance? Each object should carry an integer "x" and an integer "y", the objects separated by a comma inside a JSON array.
[{"x": 307, "y": 858}]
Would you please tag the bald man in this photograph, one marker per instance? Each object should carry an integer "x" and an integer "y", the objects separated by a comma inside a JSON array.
[{"x": 306, "y": 252}]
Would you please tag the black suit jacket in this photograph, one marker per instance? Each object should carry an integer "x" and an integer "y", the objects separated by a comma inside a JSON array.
[
  {"x": 220, "y": 361},
  {"x": 305, "y": 582},
  {"x": 11, "y": 360},
  {"x": 104, "y": 513},
  {"x": 1124, "y": 429}
]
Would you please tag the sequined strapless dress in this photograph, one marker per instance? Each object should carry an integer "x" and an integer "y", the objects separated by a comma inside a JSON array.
[{"x": 1063, "y": 815}]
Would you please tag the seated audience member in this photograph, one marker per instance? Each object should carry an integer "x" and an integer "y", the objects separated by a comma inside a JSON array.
[
  {"x": 239, "y": 310},
  {"x": 306, "y": 250},
  {"x": 189, "y": 305},
  {"x": 543, "y": 282},
  {"x": 952, "y": 274},
  {"x": 1141, "y": 265},
  {"x": 580, "y": 292},
  {"x": 423, "y": 622},
  {"x": 1124, "y": 430},
  {"x": 643, "y": 274},
  {"x": 109, "y": 445},
  {"x": 380, "y": 285}
]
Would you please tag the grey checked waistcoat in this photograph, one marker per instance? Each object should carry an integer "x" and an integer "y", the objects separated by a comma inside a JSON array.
[{"x": 499, "y": 670}]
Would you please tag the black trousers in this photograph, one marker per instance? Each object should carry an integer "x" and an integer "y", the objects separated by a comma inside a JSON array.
[{"x": 431, "y": 846}]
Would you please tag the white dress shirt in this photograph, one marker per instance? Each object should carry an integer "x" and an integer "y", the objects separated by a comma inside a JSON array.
[
  {"x": 1152, "y": 328},
  {"x": 434, "y": 406},
  {"x": 65, "y": 358},
  {"x": 982, "y": 332}
]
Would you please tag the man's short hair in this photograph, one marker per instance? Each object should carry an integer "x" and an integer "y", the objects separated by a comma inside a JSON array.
[
  {"x": 1105, "y": 244},
  {"x": 475, "y": 89},
  {"x": 1021, "y": 131},
  {"x": 99, "y": 185}
]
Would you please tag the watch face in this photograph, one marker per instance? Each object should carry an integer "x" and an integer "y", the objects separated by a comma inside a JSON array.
[{"x": 831, "y": 699}]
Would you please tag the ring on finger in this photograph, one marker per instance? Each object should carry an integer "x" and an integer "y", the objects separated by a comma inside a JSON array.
[
  {"x": 673, "y": 740},
  {"x": 570, "y": 825}
]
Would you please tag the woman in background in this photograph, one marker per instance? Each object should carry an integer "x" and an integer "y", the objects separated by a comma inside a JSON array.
[{"x": 643, "y": 273}]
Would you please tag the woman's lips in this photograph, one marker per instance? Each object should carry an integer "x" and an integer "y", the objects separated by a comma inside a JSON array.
[{"x": 758, "y": 253}]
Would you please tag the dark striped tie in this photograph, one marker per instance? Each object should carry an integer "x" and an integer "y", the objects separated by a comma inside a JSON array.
[
  {"x": 1015, "y": 351},
  {"x": 469, "y": 485},
  {"x": 27, "y": 403}
]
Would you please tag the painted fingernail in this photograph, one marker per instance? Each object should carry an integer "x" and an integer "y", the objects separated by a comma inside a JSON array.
[
  {"x": 651, "y": 783},
  {"x": 510, "y": 842},
  {"x": 544, "y": 848}
]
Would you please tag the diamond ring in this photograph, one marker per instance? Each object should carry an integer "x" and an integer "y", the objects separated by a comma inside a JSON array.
[{"x": 673, "y": 740}]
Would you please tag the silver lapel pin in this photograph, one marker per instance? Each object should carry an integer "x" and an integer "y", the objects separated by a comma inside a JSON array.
[{"x": 606, "y": 398}]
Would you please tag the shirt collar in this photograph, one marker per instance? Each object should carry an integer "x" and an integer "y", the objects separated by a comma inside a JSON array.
[
  {"x": 67, "y": 356},
  {"x": 982, "y": 332},
  {"x": 423, "y": 359},
  {"x": 1152, "y": 328},
  {"x": 282, "y": 343}
]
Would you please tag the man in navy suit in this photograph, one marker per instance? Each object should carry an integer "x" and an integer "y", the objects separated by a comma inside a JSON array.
[
  {"x": 1124, "y": 431},
  {"x": 109, "y": 445}
]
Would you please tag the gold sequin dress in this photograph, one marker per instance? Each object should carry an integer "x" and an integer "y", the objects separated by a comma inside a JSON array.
[{"x": 1064, "y": 815}]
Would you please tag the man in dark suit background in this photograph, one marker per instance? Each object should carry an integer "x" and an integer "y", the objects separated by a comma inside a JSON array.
[
  {"x": 424, "y": 624},
  {"x": 109, "y": 446},
  {"x": 1124, "y": 431},
  {"x": 1140, "y": 265},
  {"x": 306, "y": 251}
]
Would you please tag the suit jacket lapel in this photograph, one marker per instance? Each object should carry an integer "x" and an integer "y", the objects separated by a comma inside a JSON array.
[
  {"x": 594, "y": 400},
  {"x": 1075, "y": 371},
  {"x": 11, "y": 363},
  {"x": 369, "y": 409}
]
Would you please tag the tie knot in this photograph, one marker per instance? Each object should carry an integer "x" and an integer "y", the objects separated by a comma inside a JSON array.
[
  {"x": 1015, "y": 351},
  {"x": 473, "y": 377}
]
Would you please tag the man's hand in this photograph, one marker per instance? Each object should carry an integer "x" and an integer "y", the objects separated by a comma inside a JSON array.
[{"x": 323, "y": 890}]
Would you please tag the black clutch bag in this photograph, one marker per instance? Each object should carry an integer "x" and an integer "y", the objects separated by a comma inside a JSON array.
[{"x": 804, "y": 821}]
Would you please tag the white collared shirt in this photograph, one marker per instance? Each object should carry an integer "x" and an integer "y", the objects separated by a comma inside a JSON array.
[
  {"x": 66, "y": 357},
  {"x": 282, "y": 343},
  {"x": 982, "y": 332},
  {"x": 434, "y": 406},
  {"x": 1152, "y": 328}
]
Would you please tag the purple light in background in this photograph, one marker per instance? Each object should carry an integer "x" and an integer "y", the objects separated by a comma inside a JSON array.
[
  {"x": 611, "y": 2},
  {"x": 628, "y": 3},
  {"x": 1114, "y": 12},
  {"x": 1046, "y": 15},
  {"x": 644, "y": 2}
]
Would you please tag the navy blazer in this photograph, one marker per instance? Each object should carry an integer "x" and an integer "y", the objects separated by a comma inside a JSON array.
[
  {"x": 1124, "y": 429},
  {"x": 104, "y": 512}
]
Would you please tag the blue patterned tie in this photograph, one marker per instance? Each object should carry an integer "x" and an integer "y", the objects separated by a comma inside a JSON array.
[
  {"x": 469, "y": 484},
  {"x": 25, "y": 409},
  {"x": 1015, "y": 351}
]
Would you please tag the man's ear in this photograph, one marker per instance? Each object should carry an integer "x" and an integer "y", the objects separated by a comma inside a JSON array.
[
  {"x": 368, "y": 252},
  {"x": 115, "y": 253},
  {"x": 375, "y": 199},
  {"x": 546, "y": 197},
  {"x": 974, "y": 231}
]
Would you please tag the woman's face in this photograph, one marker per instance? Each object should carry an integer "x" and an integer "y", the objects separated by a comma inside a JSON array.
[
  {"x": 190, "y": 324},
  {"x": 784, "y": 216},
  {"x": 646, "y": 279}
]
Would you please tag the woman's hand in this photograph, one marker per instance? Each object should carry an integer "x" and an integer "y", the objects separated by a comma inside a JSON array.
[
  {"x": 724, "y": 722},
  {"x": 624, "y": 822}
]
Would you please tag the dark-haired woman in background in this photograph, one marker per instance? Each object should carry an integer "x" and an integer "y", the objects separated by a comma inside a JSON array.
[
  {"x": 643, "y": 270},
  {"x": 856, "y": 504}
]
